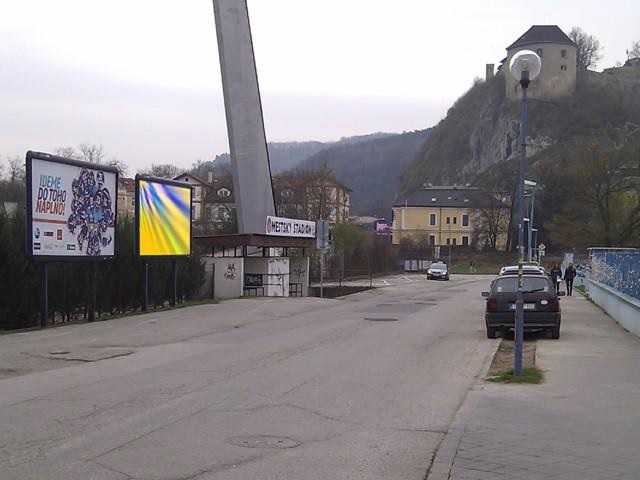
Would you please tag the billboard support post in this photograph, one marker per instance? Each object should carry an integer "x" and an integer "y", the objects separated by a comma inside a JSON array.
[
  {"x": 44, "y": 294},
  {"x": 93, "y": 287},
  {"x": 174, "y": 282},
  {"x": 145, "y": 286}
]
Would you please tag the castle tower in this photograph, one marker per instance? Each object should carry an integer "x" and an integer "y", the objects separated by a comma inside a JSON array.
[{"x": 558, "y": 54}]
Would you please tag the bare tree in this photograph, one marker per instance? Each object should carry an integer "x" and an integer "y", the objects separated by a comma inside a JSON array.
[
  {"x": 16, "y": 170},
  {"x": 92, "y": 153},
  {"x": 163, "y": 170},
  {"x": 492, "y": 219},
  {"x": 68, "y": 152},
  {"x": 589, "y": 48},
  {"x": 635, "y": 50}
]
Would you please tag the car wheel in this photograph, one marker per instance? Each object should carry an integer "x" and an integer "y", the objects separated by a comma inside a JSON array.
[
  {"x": 555, "y": 333},
  {"x": 492, "y": 332}
]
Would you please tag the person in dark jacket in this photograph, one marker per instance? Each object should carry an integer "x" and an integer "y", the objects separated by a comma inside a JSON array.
[
  {"x": 569, "y": 275},
  {"x": 556, "y": 275}
]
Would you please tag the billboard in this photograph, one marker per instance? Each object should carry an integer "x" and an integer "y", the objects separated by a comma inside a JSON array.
[
  {"x": 383, "y": 228},
  {"x": 163, "y": 217},
  {"x": 71, "y": 209}
]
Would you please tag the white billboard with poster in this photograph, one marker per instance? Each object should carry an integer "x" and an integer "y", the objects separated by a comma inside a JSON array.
[{"x": 71, "y": 209}]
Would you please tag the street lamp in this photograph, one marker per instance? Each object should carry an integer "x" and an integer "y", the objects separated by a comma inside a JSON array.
[
  {"x": 524, "y": 66},
  {"x": 529, "y": 183}
]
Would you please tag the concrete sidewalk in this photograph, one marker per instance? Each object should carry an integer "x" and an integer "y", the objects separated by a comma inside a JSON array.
[{"x": 582, "y": 423}]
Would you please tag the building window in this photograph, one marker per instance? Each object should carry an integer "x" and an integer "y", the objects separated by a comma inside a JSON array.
[
  {"x": 448, "y": 241},
  {"x": 224, "y": 192},
  {"x": 563, "y": 53},
  {"x": 465, "y": 240},
  {"x": 193, "y": 212},
  {"x": 539, "y": 51},
  {"x": 454, "y": 240},
  {"x": 465, "y": 220},
  {"x": 455, "y": 220},
  {"x": 448, "y": 220},
  {"x": 563, "y": 67},
  {"x": 432, "y": 239},
  {"x": 432, "y": 219}
]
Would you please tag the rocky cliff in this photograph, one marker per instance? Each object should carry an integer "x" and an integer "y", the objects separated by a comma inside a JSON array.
[{"x": 481, "y": 129}]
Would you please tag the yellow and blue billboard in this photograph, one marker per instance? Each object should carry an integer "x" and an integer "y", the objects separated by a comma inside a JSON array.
[{"x": 163, "y": 213}]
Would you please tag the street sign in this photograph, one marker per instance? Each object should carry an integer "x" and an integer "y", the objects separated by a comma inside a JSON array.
[
  {"x": 541, "y": 247},
  {"x": 322, "y": 235}
]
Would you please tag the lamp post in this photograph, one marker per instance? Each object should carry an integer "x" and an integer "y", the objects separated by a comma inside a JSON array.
[
  {"x": 529, "y": 183},
  {"x": 535, "y": 243},
  {"x": 524, "y": 66}
]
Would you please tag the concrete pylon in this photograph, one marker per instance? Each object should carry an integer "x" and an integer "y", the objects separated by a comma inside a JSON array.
[{"x": 252, "y": 185}]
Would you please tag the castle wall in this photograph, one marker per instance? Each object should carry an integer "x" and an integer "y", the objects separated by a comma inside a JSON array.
[{"x": 558, "y": 75}]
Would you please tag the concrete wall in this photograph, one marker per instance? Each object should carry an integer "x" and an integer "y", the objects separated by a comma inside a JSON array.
[
  {"x": 245, "y": 125},
  {"x": 228, "y": 278},
  {"x": 299, "y": 273},
  {"x": 275, "y": 271},
  {"x": 623, "y": 309},
  {"x": 557, "y": 77}
]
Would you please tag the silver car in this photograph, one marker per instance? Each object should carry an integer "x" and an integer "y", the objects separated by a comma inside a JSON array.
[{"x": 438, "y": 271}]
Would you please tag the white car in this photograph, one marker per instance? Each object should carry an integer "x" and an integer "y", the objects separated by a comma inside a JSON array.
[{"x": 527, "y": 268}]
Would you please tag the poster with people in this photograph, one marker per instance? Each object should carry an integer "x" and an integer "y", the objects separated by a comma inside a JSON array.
[{"x": 71, "y": 208}]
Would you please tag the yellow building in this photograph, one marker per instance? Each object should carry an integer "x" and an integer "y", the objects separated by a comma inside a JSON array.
[{"x": 457, "y": 216}]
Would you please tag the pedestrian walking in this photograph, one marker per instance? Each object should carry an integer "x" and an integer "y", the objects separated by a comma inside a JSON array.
[
  {"x": 556, "y": 276},
  {"x": 472, "y": 267},
  {"x": 569, "y": 275}
]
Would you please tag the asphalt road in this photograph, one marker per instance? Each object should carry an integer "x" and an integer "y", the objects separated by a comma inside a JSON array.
[{"x": 358, "y": 388}]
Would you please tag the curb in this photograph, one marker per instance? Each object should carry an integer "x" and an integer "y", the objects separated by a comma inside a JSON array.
[{"x": 442, "y": 463}]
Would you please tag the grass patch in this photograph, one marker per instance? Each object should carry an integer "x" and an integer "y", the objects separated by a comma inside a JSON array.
[
  {"x": 479, "y": 269},
  {"x": 581, "y": 288},
  {"x": 529, "y": 375}
]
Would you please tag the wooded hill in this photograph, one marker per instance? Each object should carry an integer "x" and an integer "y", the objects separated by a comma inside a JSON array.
[{"x": 478, "y": 141}]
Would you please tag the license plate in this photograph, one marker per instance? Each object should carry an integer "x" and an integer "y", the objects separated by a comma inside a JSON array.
[{"x": 527, "y": 306}]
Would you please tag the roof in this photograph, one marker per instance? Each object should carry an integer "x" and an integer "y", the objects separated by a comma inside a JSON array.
[
  {"x": 447, "y": 196},
  {"x": 253, "y": 240},
  {"x": 195, "y": 177},
  {"x": 542, "y": 34}
]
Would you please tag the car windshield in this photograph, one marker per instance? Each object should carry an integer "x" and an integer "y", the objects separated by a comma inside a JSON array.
[
  {"x": 438, "y": 266},
  {"x": 510, "y": 284}
]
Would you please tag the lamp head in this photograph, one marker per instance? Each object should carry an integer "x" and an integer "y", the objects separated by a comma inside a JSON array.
[{"x": 525, "y": 66}]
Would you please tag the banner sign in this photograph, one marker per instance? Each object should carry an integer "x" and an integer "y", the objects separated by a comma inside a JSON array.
[
  {"x": 163, "y": 217},
  {"x": 383, "y": 228},
  {"x": 290, "y": 227},
  {"x": 71, "y": 208}
]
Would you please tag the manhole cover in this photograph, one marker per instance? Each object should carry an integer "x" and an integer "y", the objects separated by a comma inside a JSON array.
[
  {"x": 262, "y": 441},
  {"x": 381, "y": 319}
]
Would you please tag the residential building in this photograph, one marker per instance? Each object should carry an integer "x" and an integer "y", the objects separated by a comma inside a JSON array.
[
  {"x": 312, "y": 197},
  {"x": 451, "y": 215},
  {"x": 126, "y": 197},
  {"x": 198, "y": 185},
  {"x": 219, "y": 203},
  {"x": 558, "y": 53}
]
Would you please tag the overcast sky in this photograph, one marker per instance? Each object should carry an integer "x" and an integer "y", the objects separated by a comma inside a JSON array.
[{"x": 142, "y": 78}]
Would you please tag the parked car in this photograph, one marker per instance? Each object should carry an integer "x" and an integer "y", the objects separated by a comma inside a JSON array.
[
  {"x": 541, "y": 305},
  {"x": 438, "y": 270},
  {"x": 527, "y": 268}
]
